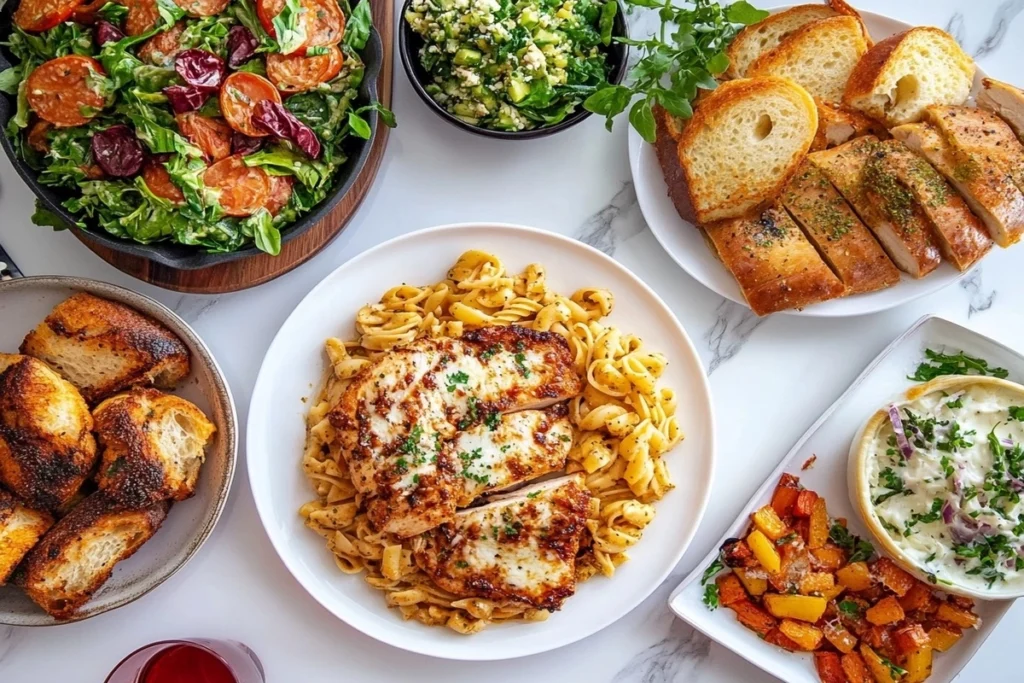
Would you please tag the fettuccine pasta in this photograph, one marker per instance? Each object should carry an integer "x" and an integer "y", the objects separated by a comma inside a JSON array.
[{"x": 624, "y": 423}]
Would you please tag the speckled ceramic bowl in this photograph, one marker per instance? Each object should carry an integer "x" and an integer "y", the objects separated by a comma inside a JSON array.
[{"x": 24, "y": 302}]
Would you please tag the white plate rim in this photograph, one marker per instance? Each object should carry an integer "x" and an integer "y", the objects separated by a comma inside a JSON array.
[
  {"x": 863, "y": 304},
  {"x": 565, "y": 636}
]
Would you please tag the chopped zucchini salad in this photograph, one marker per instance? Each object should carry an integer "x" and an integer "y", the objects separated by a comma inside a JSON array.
[
  {"x": 513, "y": 65},
  {"x": 213, "y": 123}
]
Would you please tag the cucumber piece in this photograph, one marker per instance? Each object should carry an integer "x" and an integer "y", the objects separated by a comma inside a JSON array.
[
  {"x": 517, "y": 90},
  {"x": 529, "y": 17},
  {"x": 545, "y": 37},
  {"x": 464, "y": 109},
  {"x": 465, "y": 56},
  {"x": 505, "y": 122},
  {"x": 486, "y": 97}
]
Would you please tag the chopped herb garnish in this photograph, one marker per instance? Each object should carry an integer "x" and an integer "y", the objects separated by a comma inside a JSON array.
[
  {"x": 533, "y": 495},
  {"x": 893, "y": 669},
  {"x": 455, "y": 379},
  {"x": 953, "y": 405},
  {"x": 712, "y": 571},
  {"x": 933, "y": 515},
  {"x": 416, "y": 478},
  {"x": 711, "y": 596},
  {"x": 521, "y": 364},
  {"x": 788, "y": 538},
  {"x": 462, "y": 564},
  {"x": 939, "y": 364},
  {"x": 1017, "y": 413},
  {"x": 506, "y": 447},
  {"x": 467, "y": 462},
  {"x": 859, "y": 549},
  {"x": 490, "y": 351},
  {"x": 955, "y": 440},
  {"x": 472, "y": 413},
  {"x": 492, "y": 420},
  {"x": 891, "y": 481},
  {"x": 411, "y": 445},
  {"x": 849, "y": 608}
]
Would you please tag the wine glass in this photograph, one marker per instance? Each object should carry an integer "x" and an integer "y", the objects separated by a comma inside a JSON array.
[{"x": 190, "y": 660}]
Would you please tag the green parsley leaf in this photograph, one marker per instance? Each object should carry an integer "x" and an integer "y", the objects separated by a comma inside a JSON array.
[
  {"x": 849, "y": 608},
  {"x": 939, "y": 364},
  {"x": 455, "y": 379}
]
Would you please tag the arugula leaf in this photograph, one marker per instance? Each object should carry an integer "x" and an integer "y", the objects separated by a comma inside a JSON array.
[
  {"x": 642, "y": 118},
  {"x": 10, "y": 79},
  {"x": 357, "y": 26},
  {"x": 939, "y": 364},
  {"x": 45, "y": 218},
  {"x": 113, "y": 12},
  {"x": 266, "y": 237},
  {"x": 358, "y": 125}
]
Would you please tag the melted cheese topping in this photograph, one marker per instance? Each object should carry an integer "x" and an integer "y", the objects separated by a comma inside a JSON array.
[{"x": 954, "y": 506}]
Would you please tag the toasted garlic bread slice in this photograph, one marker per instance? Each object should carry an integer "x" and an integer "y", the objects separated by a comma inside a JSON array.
[
  {"x": 819, "y": 56},
  {"x": 1005, "y": 101},
  {"x": 772, "y": 261},
  {"x": 668, "y": 129},
  {"x": 991, "y": 195},
  {"x": 743, "y": 144},
  {"x": 152, "y": 444},
  {"x": 838, "y": 123},
  {"x": 834, "y": 228},
  {"x": 102, "y": 346},
  {"x": 46, "y": 445},
  {"x": 979, "y": 134},
  {"x": 20, "y": 529},
  {"x": 960, "y": 234},
  {"x": 904, "y": 74},
  {"x": 764, "y": 36},
  {"x": 77, "y": 556},
  {"x": 884, "y": 205}
]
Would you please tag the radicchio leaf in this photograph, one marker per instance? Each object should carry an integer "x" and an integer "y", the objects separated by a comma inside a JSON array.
[
  {"x": 244, "y": 144},
  {"x": 200, "y": 68},
  {"x": 107, "y": 33},
  {"x": 277, "y": 120},
  {"x": 185, "y": 98},
  {"x": 242, "y": 46},
  {"x": 117, "y": 151}
]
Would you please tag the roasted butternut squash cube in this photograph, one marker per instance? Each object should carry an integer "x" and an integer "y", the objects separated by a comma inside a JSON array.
[
  {"x": 942, "y": 638},
  {"x": 780, "y": 639},
  {"x": 841, "y": 639},
  {"x": 833, "y": 593},
  {"x": 829, "y": 557},
  {"x": 736, "y": 553},
  {"x": 753, "y": 617},
  {"x": 816, "y": 583},
  {"x": 804, "y": 504},
  {"x": 801, "y": 607},
  {"x": 909, "y": 638},
  {"x": 730, "y": 589},
  {"x": 918, "y": 664},
  {"x": 829, "y": 667},
  {"x": 807, "y": 637},
  {"x": 957, "y": 616},
  {"x": 892, "y": 577},
  {"x": 755, "y": 585},
  {"x": 764, "y": 550},
  {"x": 817, "y": 532},
  {"x": 855, "y": 669},
  {"x": 769, "y": 523},
  {"x": 885, "y": 611},
  {"x": 918, "y": 598},
  {"x": 785, "y": 494},
  {"x": 880, "y": 670},
  {"x": 855, "y": 576}
]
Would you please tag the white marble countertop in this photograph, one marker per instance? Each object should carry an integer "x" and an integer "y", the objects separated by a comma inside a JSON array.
[{"x": 770, "y": 378}]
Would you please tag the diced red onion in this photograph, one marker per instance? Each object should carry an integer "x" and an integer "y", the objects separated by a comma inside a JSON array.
[
  {"x": 117, "y": 151},
  {"x": 185, "y": 98},
  {"x": 1007, "y": 442},
  {"x": 200, "y": 68},
  {"x": 241, "y": 46},
  {"x": 947, "y": 512},
  {"x": 901, "y": 436},
  {"x": 107, "y": 33},
  {"x": 275, "y": 119}
]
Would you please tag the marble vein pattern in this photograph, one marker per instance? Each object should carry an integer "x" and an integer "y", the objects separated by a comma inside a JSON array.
[
  {"x": 733, "y": 327},
  {"x": 8, "y": 638},
  {"x": 616, "y": 222},
  {"x": 192, "y": 308},
  {"x": 676, "y": 657},
  {"x": 1004, "y": 15},
  {"x": 980, "y": 299},
  {"x": 955, "y": 27}
]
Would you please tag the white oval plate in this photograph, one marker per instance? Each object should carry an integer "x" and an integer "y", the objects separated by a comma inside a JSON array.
[
  {"x": 685, "y": 244},
  {"x": 294, "y": 366}
]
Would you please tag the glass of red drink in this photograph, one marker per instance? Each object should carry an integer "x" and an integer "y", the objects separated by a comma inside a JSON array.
[{"x": 193, "y": 660}]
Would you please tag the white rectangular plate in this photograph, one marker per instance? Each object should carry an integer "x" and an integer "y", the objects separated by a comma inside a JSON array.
[{"x": 829, "y": 439}]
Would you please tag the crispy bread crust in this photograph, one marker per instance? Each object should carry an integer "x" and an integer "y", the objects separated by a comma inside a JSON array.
[
  {"x": 666, "y": 147},
  {"x": 862, "y": 79},
  {"x": 16, "y": 543}
]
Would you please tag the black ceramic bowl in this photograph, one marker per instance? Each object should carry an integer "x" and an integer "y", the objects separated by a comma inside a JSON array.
[
  {"x": 180, "y": 256},
  {"x": 410, "y": 42}
]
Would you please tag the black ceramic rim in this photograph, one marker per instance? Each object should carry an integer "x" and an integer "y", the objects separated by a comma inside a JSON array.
[
  {"x": 409, "y": 44},
  {"x": 181, "y": 256}
]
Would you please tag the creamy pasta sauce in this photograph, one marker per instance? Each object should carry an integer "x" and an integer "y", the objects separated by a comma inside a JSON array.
[{"x": 953, "y": 506}]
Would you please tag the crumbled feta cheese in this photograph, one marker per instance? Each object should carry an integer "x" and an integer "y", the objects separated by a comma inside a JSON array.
[
  {"x": 468, "y": 78},
  {"x": 534, "y": 58}
]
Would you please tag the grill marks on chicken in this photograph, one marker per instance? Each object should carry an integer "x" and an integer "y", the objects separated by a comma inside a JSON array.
[
  {"x": 520, "y": 547},
  {"x": 401, "y": 417}
]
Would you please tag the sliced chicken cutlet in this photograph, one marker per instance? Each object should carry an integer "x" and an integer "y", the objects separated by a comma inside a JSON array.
[
  {"x": 510, "y": 449},
  {"x": 520, "y": 547},
  {"x": 979, "y": 134},
  {"x": 398, "y": 417},
  {"x": 989, "y": 192},
  {"x": 888, "y": 208},
  {"x": 1004, "y": 100}
]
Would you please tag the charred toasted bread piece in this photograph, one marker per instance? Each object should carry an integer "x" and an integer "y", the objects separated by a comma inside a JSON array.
[
  {"x": 838, "y": 123},
  {"x": 77, "y": 556},
  {"x": 884, "y": 205},
  {"x": 904, "y": 74},
  {"x": 834, "y": 228},
  {"x": 743, "y": 144},
  {"x": 102, "y": 346},
  {"x": 520, "y": 547},
  {"x": 46, "y": 445},
  {"x": 979, "y": 134},
  {"x": 960, "y": 234},
  {"x": 819, "y": 56},
  {"x": 774, "y": 264},
  {"x": 764, "y": 36},
  {"x": 152, "y": 446},
  {"x": 1005, "y": 101},
  {"x": 20, "y": 529},
  {"x": 987, "y": 190}
]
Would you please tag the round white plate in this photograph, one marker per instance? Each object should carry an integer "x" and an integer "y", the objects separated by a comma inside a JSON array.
[
  {"x": 685, "y": 244},
  {"x": 294, "y": 366}
]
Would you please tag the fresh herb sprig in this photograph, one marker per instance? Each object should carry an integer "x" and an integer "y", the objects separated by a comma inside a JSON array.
[
  {"x": 686, "y": 54},
  {"x": 859, "y": 549},
  {"x": 708, "y": 581},
  {"x": 939, "y": 364}
]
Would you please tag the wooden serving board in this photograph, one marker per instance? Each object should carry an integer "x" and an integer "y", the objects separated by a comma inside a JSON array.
[{"x": 249, "y": 272}]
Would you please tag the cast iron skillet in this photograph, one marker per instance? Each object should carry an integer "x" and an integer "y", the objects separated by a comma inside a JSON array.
[
  {"x": 410, "y": 42},
  {"x": 181, "y": 256}
]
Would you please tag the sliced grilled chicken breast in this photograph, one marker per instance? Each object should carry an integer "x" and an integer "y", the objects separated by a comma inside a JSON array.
[
  {"x": 883, "y": 204},
  {"x": 983, "y": 136},
  {"x": 399, "y": 416},
  {"x": 520, "y": 547},
  {"x": 510, "y": 449},
  {"x": 1005, "y": 101},
  {"x": 991, "y": 195},
  {"x": 828, "y": 221},
  {"x": 960, "y": 234}
]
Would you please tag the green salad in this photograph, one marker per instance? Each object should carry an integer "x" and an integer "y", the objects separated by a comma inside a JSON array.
[
  {"x": 513, "y": 65},
  {"x": 211, "y": 123}
]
